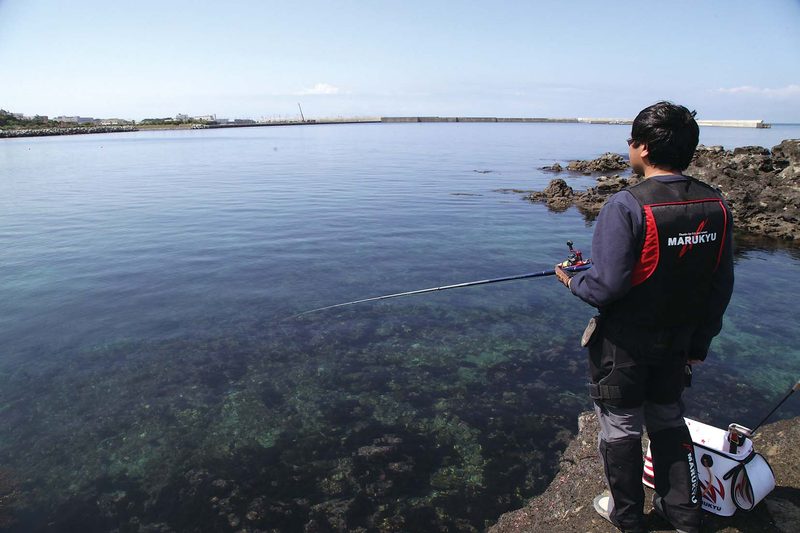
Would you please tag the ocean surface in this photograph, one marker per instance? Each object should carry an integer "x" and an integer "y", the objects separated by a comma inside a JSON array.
[{"x": 150, "y": 375}]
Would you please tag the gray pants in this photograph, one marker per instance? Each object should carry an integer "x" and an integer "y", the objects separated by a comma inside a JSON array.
[
  {"x": 620, "y": 446},
  {"x": 617, "y": 423}
]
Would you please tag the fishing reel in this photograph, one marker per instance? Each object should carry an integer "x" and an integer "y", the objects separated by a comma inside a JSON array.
[{"x": 575, "y": 258}]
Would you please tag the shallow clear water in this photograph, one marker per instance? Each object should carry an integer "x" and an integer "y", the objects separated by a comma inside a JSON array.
[{"x": 144, "y": 279}]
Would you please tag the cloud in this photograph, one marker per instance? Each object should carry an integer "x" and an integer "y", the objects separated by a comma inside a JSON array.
[
  {"x": 780, "y": 92},
  {"x": 320, "y": 88}
]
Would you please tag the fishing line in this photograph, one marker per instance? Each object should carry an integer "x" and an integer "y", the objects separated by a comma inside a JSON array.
[{"x": 574, "y": 268}]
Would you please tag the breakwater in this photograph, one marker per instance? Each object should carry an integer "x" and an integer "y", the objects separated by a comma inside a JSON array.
[
  {"x": 580, "y": 120},
  {"x": 44, "y": 132},
  {"x": 310, "y": 122},
  {"x": 41, "y": 132}
]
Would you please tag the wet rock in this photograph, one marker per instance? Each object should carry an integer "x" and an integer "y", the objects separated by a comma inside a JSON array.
[
  {"x": 786, "y": 159},
  {"x": 762, "y": 187},
  {"x": 607, "y": 162},
  {"x": 557, "y": 195},
  {"x": 555, "y": 167}
]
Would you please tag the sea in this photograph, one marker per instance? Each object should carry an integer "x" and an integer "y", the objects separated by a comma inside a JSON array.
[{"x": 154, "y": 376}]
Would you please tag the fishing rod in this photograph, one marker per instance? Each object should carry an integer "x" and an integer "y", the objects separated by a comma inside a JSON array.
[
  {"x": 794, "y": 388},
  {"x": 737, "y": 433},
  {"x": 574, "y": 263}
]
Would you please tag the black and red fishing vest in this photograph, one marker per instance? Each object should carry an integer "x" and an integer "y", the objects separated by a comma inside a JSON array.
[{"x": 685, "y": 224}]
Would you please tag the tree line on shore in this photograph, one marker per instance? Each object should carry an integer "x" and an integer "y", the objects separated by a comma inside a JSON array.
[{"x": 13, "y": 121}]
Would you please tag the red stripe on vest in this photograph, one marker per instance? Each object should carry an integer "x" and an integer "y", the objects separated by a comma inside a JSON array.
[
  {"x": 648, "y": 260},
  {"x": 724, "y": 233}
]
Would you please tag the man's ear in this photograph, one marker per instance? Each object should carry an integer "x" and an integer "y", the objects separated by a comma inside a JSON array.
[{"x": 645, "y": 152}]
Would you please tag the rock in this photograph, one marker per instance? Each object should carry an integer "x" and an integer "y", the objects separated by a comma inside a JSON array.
[
  {"x": 558, "y": 195},
  {"x": 785, "y": 513},
  {"x": 42, "y": 132},
  {"x": 374, "y": 452},
  {"x": 786, "y": 158},
  {"x": 566, "y": 505},
  {"x": 762, "y": 187},
  {"x": 555, "y": 167},
  {"x": 605, "y": 163},
  {"x": 9, "y": 494}
]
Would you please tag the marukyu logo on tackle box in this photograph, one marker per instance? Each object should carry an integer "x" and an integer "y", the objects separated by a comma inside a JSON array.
[
  {"x": 728, "y": 480},
  {"x": 713, "y": 492}
]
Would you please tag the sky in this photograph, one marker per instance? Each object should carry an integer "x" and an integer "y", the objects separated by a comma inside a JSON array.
[{"x": 130, "y": 59}]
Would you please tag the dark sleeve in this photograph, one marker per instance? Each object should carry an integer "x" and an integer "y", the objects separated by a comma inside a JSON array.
[
  {"x": 614, "y": 252},
  {"x": 721, "y": 290}
]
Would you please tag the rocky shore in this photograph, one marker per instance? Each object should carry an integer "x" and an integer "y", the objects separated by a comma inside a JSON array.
[
  {"x": 566, "y": 505},
  {"x": 761, "y": 186},
  {"x": 44, "y": 132}
]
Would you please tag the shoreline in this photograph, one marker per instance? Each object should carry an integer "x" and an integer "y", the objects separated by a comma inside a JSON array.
[
  {"x": 760, "y": 186},
  {"x": 48, "y": 132},
  {"x": 728, "y": 123}
]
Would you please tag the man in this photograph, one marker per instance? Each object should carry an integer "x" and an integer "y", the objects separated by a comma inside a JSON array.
[{"x": 662, "y": 278}]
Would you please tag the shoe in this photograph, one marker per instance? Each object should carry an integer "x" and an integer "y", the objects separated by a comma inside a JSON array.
[
  {"x": 658, "y": 507},
  {"x": 602, "y": 504}
]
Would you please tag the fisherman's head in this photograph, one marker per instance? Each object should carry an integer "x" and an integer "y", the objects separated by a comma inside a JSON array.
[{"x": 668, "y": 132}]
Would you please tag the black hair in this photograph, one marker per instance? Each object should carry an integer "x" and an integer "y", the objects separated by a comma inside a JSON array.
[{"x": 670, "y": 133}]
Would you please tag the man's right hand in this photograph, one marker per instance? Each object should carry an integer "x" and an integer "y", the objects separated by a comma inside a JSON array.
[{"x": 563, "y": 276}]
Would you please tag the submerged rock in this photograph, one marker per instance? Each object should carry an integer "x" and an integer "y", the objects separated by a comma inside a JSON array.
[{"x": 566, "y": 505}]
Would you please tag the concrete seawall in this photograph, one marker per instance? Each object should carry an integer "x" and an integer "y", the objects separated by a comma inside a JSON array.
[
  {"x": 309, "y": 122},
  {"x": 368, "y": 120},
  {"x": 580, "y": 120}
]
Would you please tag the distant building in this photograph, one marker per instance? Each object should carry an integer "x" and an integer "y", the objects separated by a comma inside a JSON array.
[
  {"x": 115, "y": 122},
  {"x": 206, "y": 118},
  {"x": 243, "y": 121},
  {"x": 75, "y": 120}
]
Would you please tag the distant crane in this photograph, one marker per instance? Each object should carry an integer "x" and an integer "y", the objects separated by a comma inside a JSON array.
[{"x": 301, "y": 112}]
